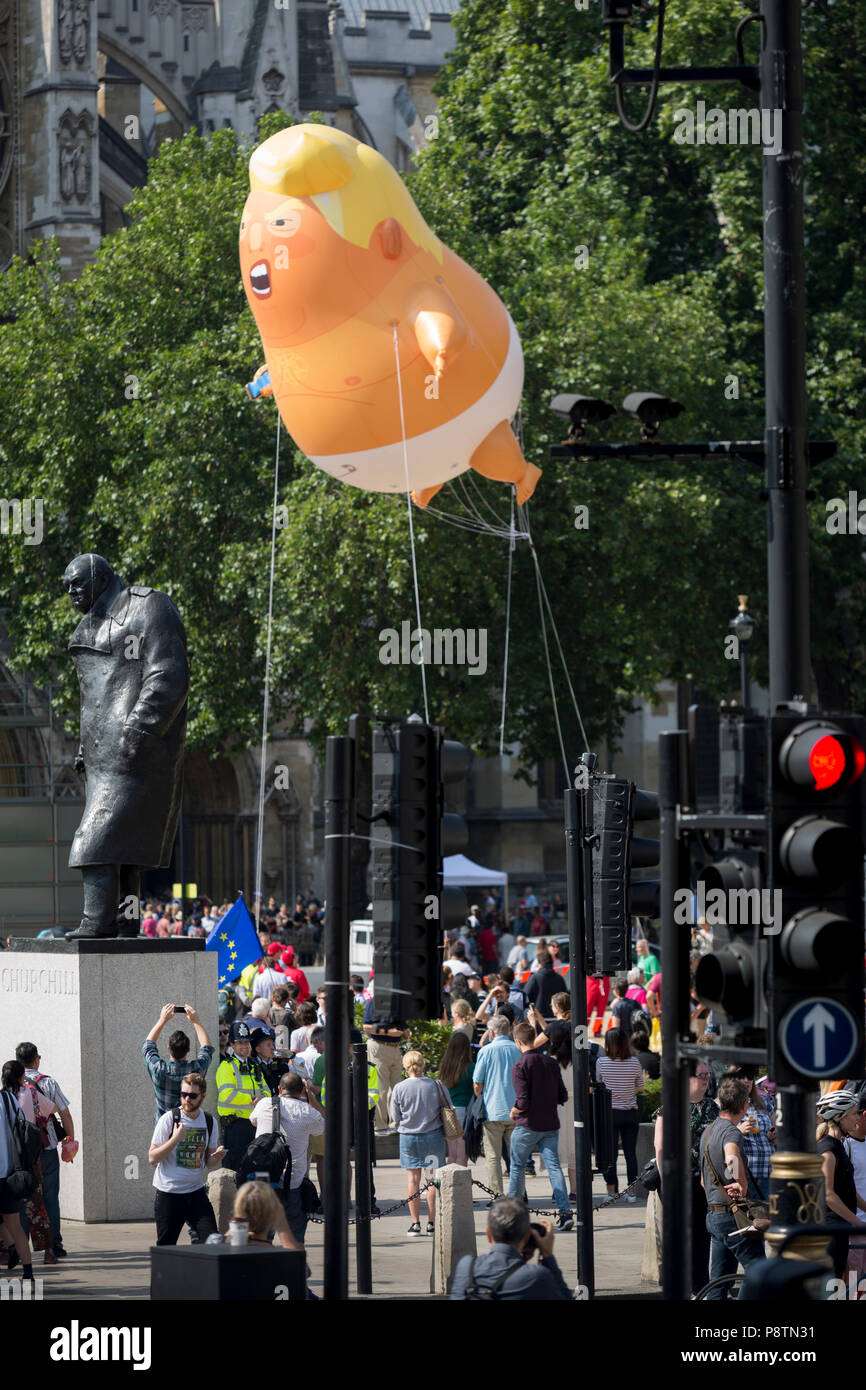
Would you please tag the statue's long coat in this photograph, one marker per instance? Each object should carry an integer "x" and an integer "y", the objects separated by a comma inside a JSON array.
[{"x": 130, "y": 655}]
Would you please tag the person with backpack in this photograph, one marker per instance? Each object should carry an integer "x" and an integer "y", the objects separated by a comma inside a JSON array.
[
  {"x": 623, "y": 1007},
  {"x": 12, "y": 1161},
  {"x": 506, "y": 1271},
  {"x": 184, "y": 1146},
  {"x": 36, "y": 1109},
  {"x": 61, "y": 1137},
  {"x": 294, "y": 1115}
]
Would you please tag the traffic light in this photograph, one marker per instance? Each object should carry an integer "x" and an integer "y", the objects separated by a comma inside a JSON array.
[
  {"x": 616, "y": 850},
  {"x": 412, "y": 831},
  {"x": 730, "y": 978},
  {"x": 730, "y": 890},
  {"x": 816, "y": 872}
]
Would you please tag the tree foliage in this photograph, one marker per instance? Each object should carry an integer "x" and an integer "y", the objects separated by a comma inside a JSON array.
[{"x": 121, "y": 395}]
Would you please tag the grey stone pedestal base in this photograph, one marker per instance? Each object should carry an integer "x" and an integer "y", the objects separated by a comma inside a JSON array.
[{"x": 88, "y": 1006}]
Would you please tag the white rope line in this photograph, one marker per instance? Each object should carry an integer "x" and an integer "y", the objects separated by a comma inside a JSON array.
[
  {"x": 507, "y": 627},
  {"x": 500, "y": 521},
  {"x": 411, "y": 523},
  {"x": 479, "y": 527},
  {"x": 556, "y": 635},
  {"x": 266, "y": 710}
]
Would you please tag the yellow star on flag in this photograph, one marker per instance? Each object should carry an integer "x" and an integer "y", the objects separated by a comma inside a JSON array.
[
  {"x": 224, "y": 936},
  {"x": 231, "y": 945},
  {"x": 234, "y": 955},
  {"x": 222, "y": 979}
]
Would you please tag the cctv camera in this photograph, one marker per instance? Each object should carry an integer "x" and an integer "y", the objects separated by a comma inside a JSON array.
[
  {"x": 580, "y": 411},
  {"x": 617, "y": 11},
  {"x": 651, "y": 409}
]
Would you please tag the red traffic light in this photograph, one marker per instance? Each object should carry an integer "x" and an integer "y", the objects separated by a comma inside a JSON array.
[
  {"x": 819, "y": 756},
  {"x": 827, "y": 762}
]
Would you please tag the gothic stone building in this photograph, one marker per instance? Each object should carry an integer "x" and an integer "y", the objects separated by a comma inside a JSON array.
[{"x": 89, "y": 88}]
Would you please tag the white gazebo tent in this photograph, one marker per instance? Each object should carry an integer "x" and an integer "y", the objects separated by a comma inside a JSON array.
[{"x": 461, "y": 872}]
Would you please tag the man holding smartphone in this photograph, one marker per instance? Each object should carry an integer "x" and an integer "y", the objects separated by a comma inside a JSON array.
[
  {"x": 506, "y": 1271},
  {"x": 166, "y": 1075}
]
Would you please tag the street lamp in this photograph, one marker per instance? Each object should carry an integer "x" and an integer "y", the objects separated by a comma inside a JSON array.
[{"x": 743, "y": 625}]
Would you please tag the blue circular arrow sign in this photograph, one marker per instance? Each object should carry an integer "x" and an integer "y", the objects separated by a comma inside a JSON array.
[{"x": 819, "y": 1037}]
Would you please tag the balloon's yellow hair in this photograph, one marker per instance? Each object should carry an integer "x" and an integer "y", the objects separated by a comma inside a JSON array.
[{"x": 352, "y": 185}]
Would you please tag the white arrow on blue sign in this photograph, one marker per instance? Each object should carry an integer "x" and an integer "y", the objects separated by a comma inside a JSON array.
[{"x": 819, "y": 1037}]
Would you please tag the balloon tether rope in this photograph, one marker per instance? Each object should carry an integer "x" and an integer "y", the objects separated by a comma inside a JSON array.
[
  {"x": 267, "y": 700},
  {"x": 411, "y": 524}
]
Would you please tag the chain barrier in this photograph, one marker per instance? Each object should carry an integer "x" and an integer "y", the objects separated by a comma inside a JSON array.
[
  {"x": 534, "y": 1211},
  {"x": 377, "y": 1216},
  {"x": 537, "y": 1211}
]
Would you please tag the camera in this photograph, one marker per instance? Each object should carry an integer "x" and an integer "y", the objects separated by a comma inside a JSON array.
[
  {"x": 580, "y": 411},
  {"x": 651, "y": 409},
  {"x": 179, "y": 1009},
  {"x": 616, "y": 11}
]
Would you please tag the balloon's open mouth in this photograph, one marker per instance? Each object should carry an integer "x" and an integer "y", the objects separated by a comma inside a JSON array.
[{"x": 260, "y": 279}]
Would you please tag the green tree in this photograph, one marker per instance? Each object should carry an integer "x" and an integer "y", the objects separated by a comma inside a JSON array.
[{"x": 626, "y": 261}]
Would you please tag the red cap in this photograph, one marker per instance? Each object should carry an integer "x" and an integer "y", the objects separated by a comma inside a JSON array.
[
  {"x": 288, "y": 955},
  {"x": 274, "y": 948}
]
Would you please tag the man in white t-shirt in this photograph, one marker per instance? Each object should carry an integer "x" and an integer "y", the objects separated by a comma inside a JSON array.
[
  {"x": 182, "y": 1150},
  {"x": 310, "y": 1054},
  {"x": 301, "y": 1115},
  {"x": 458, "y": 964}
]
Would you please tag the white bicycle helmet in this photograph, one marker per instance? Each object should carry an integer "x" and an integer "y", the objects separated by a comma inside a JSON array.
[{"x": 835, "y": 1104}]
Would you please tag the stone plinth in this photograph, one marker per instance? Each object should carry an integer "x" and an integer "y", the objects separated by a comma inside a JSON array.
[{"x": 88, "y": 1007}]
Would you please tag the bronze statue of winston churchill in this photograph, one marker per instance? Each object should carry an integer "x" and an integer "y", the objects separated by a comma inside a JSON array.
[{"x": 129, "y": 652}]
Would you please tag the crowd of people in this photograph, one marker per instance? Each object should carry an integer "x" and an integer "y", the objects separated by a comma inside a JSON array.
[
  {"x": 302, "y": 928},
  {"x": 504, "y": 1078}
]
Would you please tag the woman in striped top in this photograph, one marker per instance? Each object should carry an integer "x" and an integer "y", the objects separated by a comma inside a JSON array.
[{"x": 623, "y": 1076}]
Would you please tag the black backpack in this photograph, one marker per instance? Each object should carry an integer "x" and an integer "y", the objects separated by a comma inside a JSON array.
[
  {"x": 475, "y": 1290},
  {"x": 268, "y": 1153},
  {"x": 27, "y": 1140}
]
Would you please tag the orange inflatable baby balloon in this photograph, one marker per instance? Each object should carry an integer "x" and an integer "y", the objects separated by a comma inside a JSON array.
[{"x": 334, "y": 254}]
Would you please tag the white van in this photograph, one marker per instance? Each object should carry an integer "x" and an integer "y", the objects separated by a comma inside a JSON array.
[{"x": 361, "y": 947}]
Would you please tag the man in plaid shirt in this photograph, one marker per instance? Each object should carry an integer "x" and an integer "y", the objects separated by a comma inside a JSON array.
[{"x": 166, "y": 1076}]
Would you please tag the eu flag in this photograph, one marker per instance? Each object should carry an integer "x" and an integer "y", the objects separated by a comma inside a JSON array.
[{"x": 234, "y": 938}]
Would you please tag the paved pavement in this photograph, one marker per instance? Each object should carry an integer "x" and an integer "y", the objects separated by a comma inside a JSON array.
[{"x": 112, "y": 1261}]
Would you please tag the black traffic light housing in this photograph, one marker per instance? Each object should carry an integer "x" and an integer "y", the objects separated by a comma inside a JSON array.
[
  {"x": 616, "y": 805},
  {"x": 731, "y": 889},
  {"x": 816, "y": 861},
  {"x": 411, "y": 833},
  {"x": 731, "y": 978}
]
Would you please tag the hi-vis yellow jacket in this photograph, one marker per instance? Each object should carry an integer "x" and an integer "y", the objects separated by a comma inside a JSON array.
[{"x": 237, "y": 1082}]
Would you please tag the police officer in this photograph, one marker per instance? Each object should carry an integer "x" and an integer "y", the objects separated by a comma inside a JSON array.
[
  {"x": 272, "y": 1068},
  {"x": 240, "y": 1085}
]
